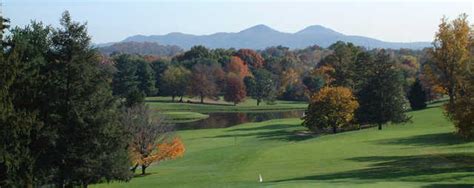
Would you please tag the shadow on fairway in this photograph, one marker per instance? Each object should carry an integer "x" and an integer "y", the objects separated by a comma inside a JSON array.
[
  {"x": 438, "y": 139},
  {"x": 270, "y": 132},
  {"x": 418, "y": 168},
  {"x": 449, "y": 186}
]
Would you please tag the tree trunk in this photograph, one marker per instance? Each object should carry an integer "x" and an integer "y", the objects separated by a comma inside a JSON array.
[
  {"x": 235, "y": 103},
  {"x": 85, "y": 185},
  {"x": 380, "y": 126},
  {"x": 258, "y": 102},
  {"x": 143, "y": 169},
  {"x": 134, "y": 168},
  {"x": 202, "y": 99},
  {"x": 172, "y": 98},
  {"x": 334, "y": 129},
  {"x": 181, "y": 99}
]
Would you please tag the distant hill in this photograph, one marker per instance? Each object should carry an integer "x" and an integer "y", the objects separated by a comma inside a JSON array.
[
  {"x": 262, "y": 36},
  {"x": 143, "y": 48}
]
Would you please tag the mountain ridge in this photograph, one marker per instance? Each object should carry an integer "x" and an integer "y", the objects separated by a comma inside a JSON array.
[{"x": 262, "y": 36}]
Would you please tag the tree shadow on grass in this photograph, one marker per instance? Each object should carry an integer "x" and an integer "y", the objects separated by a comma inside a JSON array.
[
  {"x": 438, "y": 139},
  {"x": 278, "y": 132},
  {"x": 409, "y": 168},
  {"x": 268, "y": 127},
  {"x": 449, "y": 186}
]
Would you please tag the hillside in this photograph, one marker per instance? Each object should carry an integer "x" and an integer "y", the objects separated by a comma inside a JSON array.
[{"x": 262, "y": 36}]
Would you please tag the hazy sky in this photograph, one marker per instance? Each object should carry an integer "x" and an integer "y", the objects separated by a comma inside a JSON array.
[{"x": 114, "y": 20}]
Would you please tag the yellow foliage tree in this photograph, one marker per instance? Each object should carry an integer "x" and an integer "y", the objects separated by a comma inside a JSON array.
[
  {"x": 154, "y": 153},
  {"x": 450, "y": 55},
  {"x": 152, "y": 139},
  {"x": 330, "y": 108},
  {"x": 451, "y": 66}
]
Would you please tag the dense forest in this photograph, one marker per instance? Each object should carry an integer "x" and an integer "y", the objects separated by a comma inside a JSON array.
[{"x": 72, "y": 116}]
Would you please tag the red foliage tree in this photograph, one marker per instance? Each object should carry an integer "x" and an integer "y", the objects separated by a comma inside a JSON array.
[
  {"x": 235, "y": 89},
  {"x": 252, "y": 58}
]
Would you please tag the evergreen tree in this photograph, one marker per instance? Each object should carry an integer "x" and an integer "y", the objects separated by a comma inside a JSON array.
[
  {"x": 146, "y": 78},
  {"x": 91, "y": 146},
  {"x": 14, "y": 127},
  {"x": 417, "y": 96},
  {"x": 381, "y": 95},
  {"x": 125, "y": 83}
]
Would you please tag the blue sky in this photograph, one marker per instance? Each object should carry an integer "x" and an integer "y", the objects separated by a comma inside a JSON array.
[{"x": 114, "y": 20}]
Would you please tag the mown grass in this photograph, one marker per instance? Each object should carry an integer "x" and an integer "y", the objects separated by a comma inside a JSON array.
[
  {"x": 250, "y": 105},
  {"x": 183, "y": 117},
  {"x": 423, "y": 153}
]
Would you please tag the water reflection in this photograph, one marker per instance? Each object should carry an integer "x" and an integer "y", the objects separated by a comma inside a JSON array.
[{"x": 221, "y": 120}]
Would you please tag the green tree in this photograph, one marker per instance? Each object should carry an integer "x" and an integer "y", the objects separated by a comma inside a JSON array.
[
  {"x": 125, "y": 83},
  {"x": 313, "y": 83},
  {"x": 261, "y": 86},
  {"x": 146, "y": 78},
  {"x": 159, "y": 67},
  {"x": 175, "y": 81},
  {"x": 16, "y": 125},
  {"x": 343, "y": 61},
  {"x": 381, "y": 96},
  {"x": 417, "y": 96},
  {"x": 91, "y": 144}
]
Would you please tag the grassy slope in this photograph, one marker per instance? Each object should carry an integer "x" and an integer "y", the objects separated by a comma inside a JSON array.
[{"x": 420, "y": 154}]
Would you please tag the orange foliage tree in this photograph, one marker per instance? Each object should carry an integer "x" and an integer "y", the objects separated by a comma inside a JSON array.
[
  {"x": 152, "y": 139},
  {"x": 237, "y": 66},
  {"x": 331, "y": 107}
]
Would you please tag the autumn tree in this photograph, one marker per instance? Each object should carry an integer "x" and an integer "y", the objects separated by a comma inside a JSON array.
[
  {"x": 253, "y": 59},
  {"x": 261, "y": 86},
  {"x": 330, "y": 109},
  {"x": 235, "y": 89},
  {"x": 238, "y": 67},
  {"x": 205, "y": 81},
  {"x": 463, "y": 115},
  {"x": 175, "y": 81},
  {"x": 449, "y": 56},
  {"x": 417, "y": 96},
  {"x": 152, "y": 138}
]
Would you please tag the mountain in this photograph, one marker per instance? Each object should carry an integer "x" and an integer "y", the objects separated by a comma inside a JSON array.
[
  {"x": 262, "y": 36},
  {"x": 143, "y": 48}
]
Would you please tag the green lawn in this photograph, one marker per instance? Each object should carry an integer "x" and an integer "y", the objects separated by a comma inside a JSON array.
[
  {"x": 250, "y": 105},
  {"x": 423, "y": 153},
  {"x": 182, "y": 117}
]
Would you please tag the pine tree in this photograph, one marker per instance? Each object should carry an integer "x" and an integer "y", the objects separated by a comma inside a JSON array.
[
  {"x": 91, "y": 146},
  {"x": 146, "y": 78},
  {"x": 417, "y": 96},
  {"x": 381, "y": 95}
]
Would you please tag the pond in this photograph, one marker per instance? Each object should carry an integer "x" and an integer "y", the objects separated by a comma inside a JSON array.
[{"x": 221, "y": 120}]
